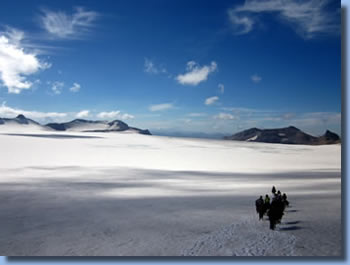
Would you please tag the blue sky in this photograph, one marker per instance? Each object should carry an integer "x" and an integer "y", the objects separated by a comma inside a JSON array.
[{"x": 185, "y": 66}]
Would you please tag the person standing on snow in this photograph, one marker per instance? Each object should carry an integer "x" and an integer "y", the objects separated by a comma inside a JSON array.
[
  {"x": 267, "y": 202},
  {"x": 273, "y": 190},
  {"x": 284, "y": 200},
  {"x": 259, "y": 205},
  {"x": 274, "y": 213}
]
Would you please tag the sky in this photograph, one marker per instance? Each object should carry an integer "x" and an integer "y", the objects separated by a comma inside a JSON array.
[{"x": 214, "y": 67}]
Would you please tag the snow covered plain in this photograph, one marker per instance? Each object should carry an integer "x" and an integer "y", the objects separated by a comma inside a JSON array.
[{"x": 128, "y": 194}]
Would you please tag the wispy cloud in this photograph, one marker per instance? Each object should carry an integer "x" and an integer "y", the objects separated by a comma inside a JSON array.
[
  {"x": 127, "y": 116},
  {"x": 75, "y": 88},
  {"x": 108, "y": 115},
  {"x": 83, "y": 114},
  {"x": 312, "y": 122},
  {"x": 196, "y": 114},
  {"x": 241, "y": 109},
  {"x": 221, "y": 88},
  {"x": 62, "y": 25},
  {"x": 196, "y": 74},
  {"x": 211, "y": 100},
  {"x": 224, "y": 116},
  {"x": 151, "y": 68},
  {"x": 313, "y": 118},
  {"x": 9, "y": 112},
  {"x": 57, "y": 87},
  {"x": 161, "y": 107},
  {"x": 308, "y": 18},
  {"x": 240, "y": 24},
  {"x": 115, "y": 115},
  {"x": 256, "y": 78},
  {"x": 17, "y": 63}
]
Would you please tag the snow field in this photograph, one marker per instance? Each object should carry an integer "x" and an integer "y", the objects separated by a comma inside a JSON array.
[{"x": 130, "y": 194}]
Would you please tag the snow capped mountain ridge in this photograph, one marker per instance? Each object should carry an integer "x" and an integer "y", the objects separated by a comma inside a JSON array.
[
  {"x": 21, "y": 123},
  {"x": 20, "y": 119}
]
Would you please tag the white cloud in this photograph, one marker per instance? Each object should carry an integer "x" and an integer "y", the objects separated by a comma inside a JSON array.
[
  {"x": 127, "y": 116},
  {"x": 240, "y": 110},
  {"x": 196, "y": 74},
  {"x": 224, "y": 116},
  {"x": 308, "y": 18},
  {"x": 57, "y": 87},
  {"x": 221, "y": 88},
  {"x": 65, "y": 26},
  {"x": 256, "y": 78},
  {"x": 83, "y": 114},
  {"x": 211, "y": 100},
  {"x": 8, "y": 112},
  {"x": 75, "y": 87},
  {"x": 240, "y": 24},
  {"x": 288, "y": 115},
  {"x": 115, "y": 115},
  {"x": 16, "y": 63},
  {"x": 196, "y": 114},
  {"x": 160, "y": 107},
  {"x": 108, "y": 115},
  {"x": 151, "y": 68}
]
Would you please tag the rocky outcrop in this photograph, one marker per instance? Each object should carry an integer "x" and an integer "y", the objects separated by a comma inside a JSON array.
[{"x": 289, "y": 135}]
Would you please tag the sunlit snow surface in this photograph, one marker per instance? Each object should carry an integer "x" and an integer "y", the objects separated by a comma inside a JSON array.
[{"x": 130, "y": 194}]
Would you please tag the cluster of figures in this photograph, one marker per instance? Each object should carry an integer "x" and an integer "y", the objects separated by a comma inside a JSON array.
[{"x": 273, "y": 209}]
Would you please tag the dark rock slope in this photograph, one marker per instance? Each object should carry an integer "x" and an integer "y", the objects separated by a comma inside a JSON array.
[{"x": 289, "y": 135}]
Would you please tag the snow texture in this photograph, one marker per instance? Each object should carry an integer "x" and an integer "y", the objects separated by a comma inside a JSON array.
[{"x": 128, "y": 194}]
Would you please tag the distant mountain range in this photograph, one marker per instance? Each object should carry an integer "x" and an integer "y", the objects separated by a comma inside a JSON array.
[
  {"x": 77, "y": 125},
  {"x": 289, "y": 135},
  {"x": 20, "y": 124},
  {"x": 190, "y": 134},
  {"x": 20, "y": 119}
]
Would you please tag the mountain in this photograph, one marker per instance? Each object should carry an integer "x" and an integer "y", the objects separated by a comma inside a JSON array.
[
  {"x": 20, "y": 119},
  {"x": 329, "y": 138},
  {"x": 23, "y": 124},
  {"x": 20, "y": 123},
  {"x": 80, "y": 125},
  {"x": 189, "y": 134},
  {"x": 289, "y": 135}
]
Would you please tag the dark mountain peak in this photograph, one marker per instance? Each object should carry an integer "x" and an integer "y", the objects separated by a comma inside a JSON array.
[
  {"x": 21, "y": 117},
  {"x": 23, "y": 120},
  {"x": 83, "y": 121},
  {"x": 287, "y": 135},
  {"x": 80, "y": 120},
  {"x": 331, "y": 136},
  {"x": 146, "y": 132},
  {"x": 254, "y": 129}
]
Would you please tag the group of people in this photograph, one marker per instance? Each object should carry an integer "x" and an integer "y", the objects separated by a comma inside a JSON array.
[{"x": 274, "y": 209}]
